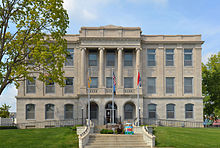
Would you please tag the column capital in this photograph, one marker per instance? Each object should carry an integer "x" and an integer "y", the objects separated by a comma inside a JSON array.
[
  {"x": 101, "y": 48},
  {"x": 138, "y": 48},
  {"x": 120, "y": 48},
  {"x": 83, "y": 49}
]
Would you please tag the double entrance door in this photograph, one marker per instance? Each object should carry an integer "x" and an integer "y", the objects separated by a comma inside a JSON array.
[{"x": 108, "y": 115}]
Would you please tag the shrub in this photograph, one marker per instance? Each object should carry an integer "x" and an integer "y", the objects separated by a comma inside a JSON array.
[
  {"x": 8, "y": 127},
  {"x": 106, "y": 131}
]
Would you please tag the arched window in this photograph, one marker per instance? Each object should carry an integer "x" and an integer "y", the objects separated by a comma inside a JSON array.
[
  {"x": 30, "y": 111},
  {"x": 129, "y": 111},
  {"x": 170, "y": 111},
  {"x": 94, "y": 110},
  {"x": 189, "y": 111},
  {"x": 152, "y": 110},
  {"x": 49, "y": 111},
  {"x": 68, "y": 113}
]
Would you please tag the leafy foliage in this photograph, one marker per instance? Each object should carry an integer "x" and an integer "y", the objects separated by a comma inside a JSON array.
[
  {"x": 211, "y": 85},
  {"x": 4, "y": 111},
  {"x": 31, "y": 40}
]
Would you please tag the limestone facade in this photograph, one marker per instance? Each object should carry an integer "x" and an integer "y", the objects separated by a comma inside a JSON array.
[{"x": 125, "y": 43}]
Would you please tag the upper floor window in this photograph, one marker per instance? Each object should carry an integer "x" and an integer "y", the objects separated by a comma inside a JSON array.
[
  {"x": 187, "y": 57},
  {"x": 68, "y": 114},
  {"x": 169, "y": 85},
  {"x": 169, "y": 57},
  {"x": 30, "y": 111},
  {"x": 49, "y": 111},
  {"x": 128, "y": 58},
  {"x": 94, "y": 82},
  {"x": 93, "y": 59},
  {"x": 151, "y": 57},
  {"x": 171, "y": 111},
  {"x": 188, "y": 85},
  {"x": 128, "y": 82},
  {"x": 189, "y": 111},
  {"x": 70, "y": 57},
  {"x": 152, "y": 110},
  {"x": 151, "y": 85},
  {"x": 50, "y": 87},
  {"x": 110, "y": 58},
  {"x": 108, "y": 82},
  {"x": 31, "y": 86},
  {"x": 69, "y": 85}
]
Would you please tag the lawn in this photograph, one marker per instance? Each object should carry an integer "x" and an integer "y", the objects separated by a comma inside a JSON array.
[
  {"x": 62, "y": 137},
  {"x": 187, "y": 137}
]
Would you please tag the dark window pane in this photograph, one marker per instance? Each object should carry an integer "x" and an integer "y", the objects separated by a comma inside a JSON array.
[
  {"x": 70, "y": 57},
  {"x": 188, "y": 85},
  {"x": 128, "y": 58},
  {"x": 94, "y": 82},
  {"x": 128, "y": 82},
  {"x": 108, "y": 82},
  {"x": 128, "y": 111},
  {"x": 30, "y": 86},
  {"x": 68, "y": 111},
  {"x": 49, "y": 111},
  {"x": 151, "y": 85},
  {"x": 189, "y": 110},
  {"x": 151, "y": 57},
  {"x": 30, "y": 111},
  {"x": 187, "y": 57},
  {"x": 50, "y": 87},
  {"x": 92, "y": 59},
  {"x": 69, "y": 85},
  {"x": 170, "y": 110},
  {"x": 94, "y": 111},
  {"x": 110, "y": 59},
  {"x": 169, "y": 85}
]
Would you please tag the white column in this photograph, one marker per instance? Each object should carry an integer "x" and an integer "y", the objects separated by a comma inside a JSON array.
[
  {"x": 120, "y": 67},
  {"x": 83, "y": 72},
  {"x": 101, "y": 67}
]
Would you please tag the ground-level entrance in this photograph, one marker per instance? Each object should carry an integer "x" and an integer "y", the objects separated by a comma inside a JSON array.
[{"x": 109, "y": 113}]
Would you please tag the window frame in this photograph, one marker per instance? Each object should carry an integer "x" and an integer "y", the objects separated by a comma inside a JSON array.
[
  {"x": 109, "y": 59},
  {"x": 69, "y": 86},
  {"x": 52, "y": 112},
  {"x": 155, "y": 85},
  {"x": 32, "y": 84},
  {"x": 151, "y": 52},
  {"x": 170, "y": 53},
  {"x": 92, "y": 82},
  {"x": 131, "y": 79},
  {"x": 50, "y": 85},
  {"x": 185, "y": 86},
  {"x": 128, "y": 62},
  {"x": 153, "y": 111},
  {"x": 173, "y": 86},
  {"x": 187, "y": 111},
  {"x": 33, "y": 112},
  {"x": 70, "y": 53},
  {"x": 65, "y": 112},
  {"x": 172, "y": 111},
  {"x": 129, "y": 112},
  {"x": 108, "y": 79},
  {"x": 188, "y": 53},
  {"x": 95, "y": 61}
]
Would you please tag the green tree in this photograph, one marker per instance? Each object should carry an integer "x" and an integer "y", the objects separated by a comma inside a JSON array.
[
  {"x": 211, "y": 85},
  {"x": 31, "y": 40},
  {"x": 4, "y": 111}
]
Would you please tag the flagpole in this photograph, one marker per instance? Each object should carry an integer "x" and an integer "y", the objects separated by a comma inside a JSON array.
[
  {"x": 88, "y": 98},
  {"x": 112, "y": 98},
  {"x": 138, "y": 100}
]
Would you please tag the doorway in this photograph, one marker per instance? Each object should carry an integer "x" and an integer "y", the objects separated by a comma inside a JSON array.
[{"x": 109, "y": 111}]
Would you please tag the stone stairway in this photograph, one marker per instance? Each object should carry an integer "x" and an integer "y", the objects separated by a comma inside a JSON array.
[{"x": 116, "y": 141}]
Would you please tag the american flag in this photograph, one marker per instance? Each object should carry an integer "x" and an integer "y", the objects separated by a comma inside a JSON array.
[{"x": 114, "y": 83}]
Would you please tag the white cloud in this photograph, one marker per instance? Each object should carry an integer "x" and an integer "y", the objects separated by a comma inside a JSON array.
[{"x": 8, "y": 97}]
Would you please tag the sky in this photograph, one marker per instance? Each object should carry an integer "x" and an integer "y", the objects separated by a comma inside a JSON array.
[{"x": 169, "y": 17}]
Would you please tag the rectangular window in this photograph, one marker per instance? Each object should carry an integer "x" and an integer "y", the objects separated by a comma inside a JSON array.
[
  {"x": 152, "y": 111},
  {"x": 93, "y": 59},
  {"x": 94, "y": 82},
  {"x": 169, "y": 85},
  {"x": 151, "y": 85},
  {"x": 70, "y": 57},
  {"x": 170, "y": 111},
  {"x": 151, "y": 57},
  {"x": 128, "y": 58},
  {"x": 188, "y": 88},
  {"x": 30, "y": 111},
  {"x": 49, "y": 111},
  {"x": 68, "y": 88},
  {"x": 31, "y": 86},
  {"x": 128, "y": 82},
  {"x": 108, "y": 82},
  {"x": 189, "y": 111},
  {"x": 110, "y": 58},
  {"x": 169, "y": 57},
  {"x": 50, "y": 87},
  {"x": 187, "y": 57}
]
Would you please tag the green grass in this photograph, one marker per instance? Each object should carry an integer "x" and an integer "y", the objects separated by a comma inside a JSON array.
[
  {"x": 187, "y": 137},
  {"x": 62, "y": 137}
]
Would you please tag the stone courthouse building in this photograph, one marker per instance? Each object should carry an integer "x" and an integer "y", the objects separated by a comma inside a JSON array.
[{"x": 169, "y": 66}]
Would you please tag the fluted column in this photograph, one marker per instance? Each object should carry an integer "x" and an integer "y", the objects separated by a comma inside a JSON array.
[
  {"x": 83, "y": 63},
  {"x": 120, "y": 67},
  {"x": 101, "y": 67}
]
